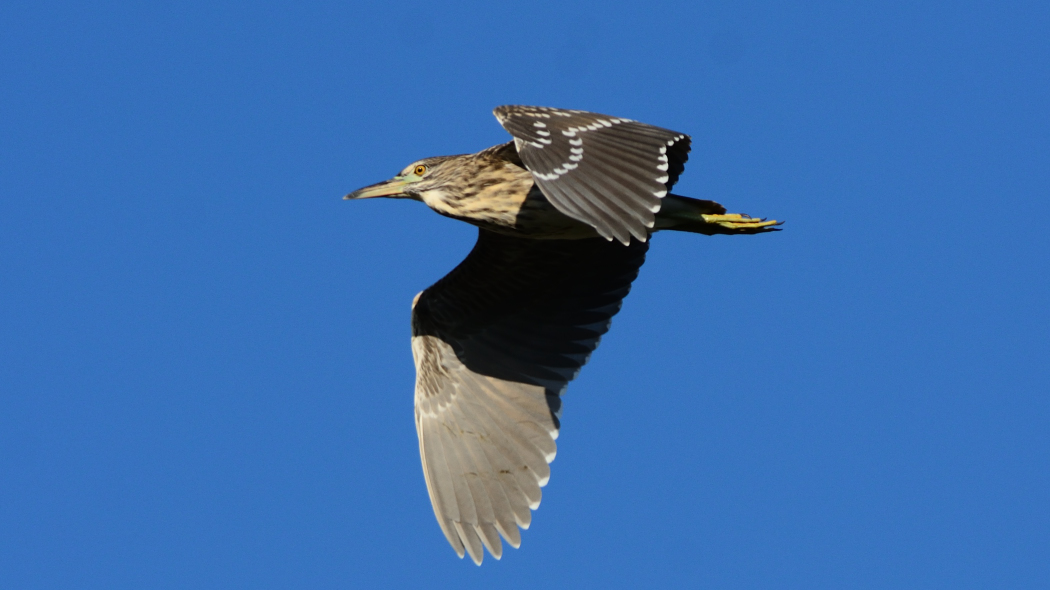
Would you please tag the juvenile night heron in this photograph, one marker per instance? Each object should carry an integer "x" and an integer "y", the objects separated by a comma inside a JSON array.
[{"x": 564, "y": 214}]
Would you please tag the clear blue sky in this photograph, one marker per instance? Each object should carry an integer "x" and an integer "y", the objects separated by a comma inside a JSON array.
[{"x": 205, "y": 372}]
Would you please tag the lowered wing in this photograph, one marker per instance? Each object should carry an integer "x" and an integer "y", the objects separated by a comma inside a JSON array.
[{"x": 495, "y": 343}]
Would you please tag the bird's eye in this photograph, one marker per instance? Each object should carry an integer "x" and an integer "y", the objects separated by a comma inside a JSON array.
[{"x": 419, "y": 170}]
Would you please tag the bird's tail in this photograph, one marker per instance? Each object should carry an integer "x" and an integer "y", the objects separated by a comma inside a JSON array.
[{"x": 680, "y": 213}]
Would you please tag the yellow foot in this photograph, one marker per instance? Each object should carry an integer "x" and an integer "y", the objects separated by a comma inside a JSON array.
[{"x": 742, "y": 223}]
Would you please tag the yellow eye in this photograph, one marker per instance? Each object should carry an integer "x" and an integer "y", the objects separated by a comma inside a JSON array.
[{"x": 419, "y": 170}]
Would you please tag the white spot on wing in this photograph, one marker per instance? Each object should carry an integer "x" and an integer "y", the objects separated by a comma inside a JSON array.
[{"x": 576, "y": 142}]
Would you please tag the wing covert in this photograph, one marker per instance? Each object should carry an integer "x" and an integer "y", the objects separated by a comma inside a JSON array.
[{"x": 606, "y": 171}]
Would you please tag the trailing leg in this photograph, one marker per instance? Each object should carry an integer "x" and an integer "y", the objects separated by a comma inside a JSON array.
[{"x": 707, "y": 217}]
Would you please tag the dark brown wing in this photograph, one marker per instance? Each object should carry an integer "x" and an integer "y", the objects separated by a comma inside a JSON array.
[
  {"x": 495, "y": 343},
  {"x": 605, "y": 171}
]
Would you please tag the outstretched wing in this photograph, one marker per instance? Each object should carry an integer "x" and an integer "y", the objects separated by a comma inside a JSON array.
[
  {"x": 604, "y": 171},
  {"x": 495, "y": 342}
]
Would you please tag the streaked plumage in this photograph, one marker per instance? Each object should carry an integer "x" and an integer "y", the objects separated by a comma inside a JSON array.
[{"x": 564, "y": 215}]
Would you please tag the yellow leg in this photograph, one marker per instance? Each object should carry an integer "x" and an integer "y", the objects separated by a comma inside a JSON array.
[{"x": 737, "y": 221}]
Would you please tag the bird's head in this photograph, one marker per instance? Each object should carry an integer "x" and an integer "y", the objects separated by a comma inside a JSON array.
[{"x": 419, "y": 179}]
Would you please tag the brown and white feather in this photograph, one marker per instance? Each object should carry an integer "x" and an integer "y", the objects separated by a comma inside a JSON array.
[{"x": 608, "y": 172}]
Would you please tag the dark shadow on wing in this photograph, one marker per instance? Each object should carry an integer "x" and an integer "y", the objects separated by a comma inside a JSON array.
[{"x": 529, "y": 311}]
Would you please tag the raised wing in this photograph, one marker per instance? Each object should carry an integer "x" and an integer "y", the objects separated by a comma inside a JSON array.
[
  {"x": 496, "y": 342},
  {"x": 604, "y": 171}
]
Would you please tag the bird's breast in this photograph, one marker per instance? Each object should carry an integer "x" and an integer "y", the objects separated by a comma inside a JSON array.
[{"x": 514, "y": 207}]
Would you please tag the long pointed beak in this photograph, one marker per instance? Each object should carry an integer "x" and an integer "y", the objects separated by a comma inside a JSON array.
[{"x": 388, "y": 188}]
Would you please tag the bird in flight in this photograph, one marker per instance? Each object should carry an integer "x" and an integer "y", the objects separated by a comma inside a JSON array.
[{"x": 564, "y": 215}]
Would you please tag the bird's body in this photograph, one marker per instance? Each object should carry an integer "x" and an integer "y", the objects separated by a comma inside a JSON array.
[{"x": 564, "y": 215}]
